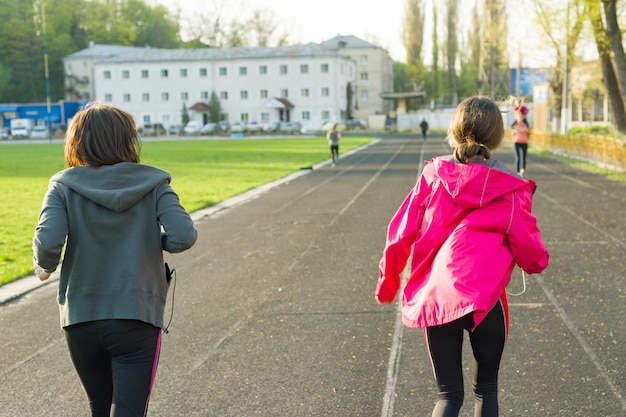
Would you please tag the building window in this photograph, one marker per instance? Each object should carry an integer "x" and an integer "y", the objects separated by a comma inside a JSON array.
[
  {"x": 204, "y": 95},
  {"x": 363, "y": 59},
  {"x": 306, "y": 115},
  {"x": 164, "y": 73},
  {"x": 204, "y": 72},
  {"x": 325, "y": 91},
  {"x": 165, "y": 96},
  {"x": 324, "y": 68},
  {"x": 243, "y": 71},
  {"x": 126, "y": 98},
  {"x": 364, "y": 76},
  {"x": 146, "y": 119},
  {"x": 263, "y": 93},
  {"x": 108, "y": 97},
  {"x": 284, "y": 93},
  {"x": 364, "y": 94},
  {"x": 145, "y": 97},
  {"x": 304, "y": 92},
  {"x": 263, "y": 69},
  {"x": 304, "y": 68},
  {"x": 183, "y": 73},
  {"x": 125, "y": 75},
  {"x": 184, "y": 96},
  {"x": 283, "y": 70},
  {"x": 243, "y": 94},
  {"x": 244, "y": 117},
  {"x": 107, "y": 75},
  {"x": 223, "y": 72},
  {"x": 144, "y": 73},
  {"x": 223, "y": 95},
  {"x": 325, "y": 115},
  {"x": 265, "y": 117}
]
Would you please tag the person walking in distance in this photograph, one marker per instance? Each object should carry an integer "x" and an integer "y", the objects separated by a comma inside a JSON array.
[
  {"x": 465, "y": 224},
  {"x": 520, "y": 133},
  {"x": 114, "y": 217},
  {"x": 333, "y": 137},
  {"x": 424, "y": 127}
]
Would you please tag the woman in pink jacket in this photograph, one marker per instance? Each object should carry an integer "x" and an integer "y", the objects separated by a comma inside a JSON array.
[{"x": 469, "y": 222}]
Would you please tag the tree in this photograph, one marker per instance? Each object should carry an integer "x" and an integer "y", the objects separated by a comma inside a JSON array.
[
  {"x": 435, "y": 40},
  {"x": 493, "y": 62},
  {"x": 550, "y": 17},
  {"x": 609, "y": 51},
  {"x": 452, "y": 47},
  {"x": 215, "y": 108},
  {"x": 413, "y": 30},
  {"x": 185, "y": 115}
]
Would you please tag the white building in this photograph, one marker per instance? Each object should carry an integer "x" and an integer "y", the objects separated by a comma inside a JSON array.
[
  {"x": 310, "y": 83},
  {"x": 79, "y": 69},
  {"x": 374, "y": 74}
]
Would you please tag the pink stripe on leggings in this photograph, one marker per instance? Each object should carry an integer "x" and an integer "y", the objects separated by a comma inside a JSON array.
[{"x": 154, "y": 370}]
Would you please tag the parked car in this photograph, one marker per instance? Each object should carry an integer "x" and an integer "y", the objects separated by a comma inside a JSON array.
[
  {"x": 5, "y": 133},
  {"x": 175, "y": 130},
  {"x": 39, "y": 132},
  {"x": 238, "y": 127},
  {"x": 271, "y": 127},
  {"x": 192, "y": 128},
  {"x": 210, "y": 129},
  {"x": 20, "y": 132},
  {"x": 224, "y": 126},
  {"x": 327, "y": 125},
  {"x": 291, "y": 127},
  {"x": 153, "y": 129},
  {"x": 354, "y": 124},
  {"x": 254, "y": 127}
]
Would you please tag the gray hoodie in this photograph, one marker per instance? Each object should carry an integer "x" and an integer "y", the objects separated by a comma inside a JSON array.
[{"x": 114, "y": 221}]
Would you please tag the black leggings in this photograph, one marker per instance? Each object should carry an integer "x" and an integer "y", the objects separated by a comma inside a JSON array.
[
  {"x": 116, "y": 361},
  {"x": 445, "y": 343},
  {"x": 334, "y": 150}
]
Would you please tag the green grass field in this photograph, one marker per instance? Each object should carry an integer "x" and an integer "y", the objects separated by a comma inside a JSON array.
[{"x": 204, "y": 172}]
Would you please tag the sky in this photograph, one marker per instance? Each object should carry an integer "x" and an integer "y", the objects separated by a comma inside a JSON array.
[{"x": 377, "y": 21}]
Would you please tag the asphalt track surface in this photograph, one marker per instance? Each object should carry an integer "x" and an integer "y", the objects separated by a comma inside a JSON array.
[{"x": 274, "y": 313}]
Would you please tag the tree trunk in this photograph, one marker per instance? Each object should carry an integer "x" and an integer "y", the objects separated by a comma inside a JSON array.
[
  {"x": 609, "y": 77},
  {"x": 615, "y": 45}
]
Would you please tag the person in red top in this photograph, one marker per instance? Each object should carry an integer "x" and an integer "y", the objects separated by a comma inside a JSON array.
[{"x": 520, "y": 132}]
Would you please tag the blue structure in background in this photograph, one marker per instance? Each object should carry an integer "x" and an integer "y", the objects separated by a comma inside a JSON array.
[
  {"x": 59, "y": 114},
  {"x": 528, "y": 77}
]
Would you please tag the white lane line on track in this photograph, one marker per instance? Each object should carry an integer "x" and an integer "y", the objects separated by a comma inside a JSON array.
[
  {"x": 583, "y": 343},
  {"x": 393, "y": 366},
  {"x": 582, "y": 220},
  {"x": 367, "y": 184}
]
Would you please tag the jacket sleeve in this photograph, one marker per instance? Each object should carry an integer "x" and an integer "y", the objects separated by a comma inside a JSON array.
[
  {"x": 401, "y": 234},
  {"x": 524, "y": 236},
  {"x": 179, "y": 233},
  {"x": 51, "y": 230}
]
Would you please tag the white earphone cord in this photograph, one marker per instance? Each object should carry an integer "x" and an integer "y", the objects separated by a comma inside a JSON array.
[{"x": 523, "y": 286}]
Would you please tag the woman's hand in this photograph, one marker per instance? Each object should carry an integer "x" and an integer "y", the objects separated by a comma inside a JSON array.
[{"x": 41, "y": 274}]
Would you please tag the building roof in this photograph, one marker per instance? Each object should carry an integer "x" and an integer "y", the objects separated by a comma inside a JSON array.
[
  {"x": 105, "y": 51},
  {"x": 207, "y": 54},
  {"x": 347, "y": 42},
  {"x": 200, "y": 107}
]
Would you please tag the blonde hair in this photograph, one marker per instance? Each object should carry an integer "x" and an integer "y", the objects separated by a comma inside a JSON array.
[
  {"x": 102, "y": 134},
  {"x": 476, "y": 128}
]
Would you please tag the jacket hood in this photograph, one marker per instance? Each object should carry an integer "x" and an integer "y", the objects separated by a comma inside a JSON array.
[
  {"x": 116, "y": 187},
  {"x": 475, "y": 185}
]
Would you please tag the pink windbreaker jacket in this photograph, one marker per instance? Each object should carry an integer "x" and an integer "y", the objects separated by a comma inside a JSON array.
[{"x": 468, "y": 224}]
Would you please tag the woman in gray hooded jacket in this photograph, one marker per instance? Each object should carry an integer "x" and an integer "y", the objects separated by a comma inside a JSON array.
[{"x": 115, "y": 217}]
